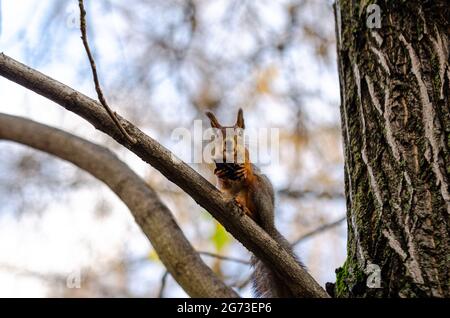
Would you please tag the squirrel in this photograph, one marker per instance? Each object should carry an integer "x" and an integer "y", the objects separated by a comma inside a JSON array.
[{"x": 253, "y": 192}]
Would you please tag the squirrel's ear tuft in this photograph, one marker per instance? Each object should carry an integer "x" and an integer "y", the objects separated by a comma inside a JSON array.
[
  {"x": 240, "y": 119},
  {"x": 213, "y": 120}
]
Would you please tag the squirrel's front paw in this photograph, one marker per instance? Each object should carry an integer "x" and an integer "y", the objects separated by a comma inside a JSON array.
[
  {"x": 242, "y": 208},
  {"x": 241, "y": 173},
  {"x": 240, "y": 204},
  {"x": 220, "y": 172}
]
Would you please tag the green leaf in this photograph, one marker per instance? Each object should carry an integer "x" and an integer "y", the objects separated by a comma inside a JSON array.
[
  {"x": 220, "y": 237},
  {"x": 153, "y": 256}
]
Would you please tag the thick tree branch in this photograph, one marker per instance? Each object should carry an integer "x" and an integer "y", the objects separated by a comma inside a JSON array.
[
  {"x": 154, "y": 218},
  {"x": 203, "y": 192}
]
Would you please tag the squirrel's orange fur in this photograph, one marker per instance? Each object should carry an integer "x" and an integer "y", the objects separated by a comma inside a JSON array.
[{"x": 253, "y": 192}]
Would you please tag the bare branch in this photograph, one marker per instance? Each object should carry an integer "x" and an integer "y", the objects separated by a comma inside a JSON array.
[
  {"x": 225, "y": 258},
  {"x": 319, "y": 230},
  {"x": 203, "y": 192},
  {"x": 163, "y": 284},
  {"x": 209, "y": 254},
  {"x": 297, "y": 194},
  {"x": 243, "y": 283},
  {"x": 98, "y": 89},
  {"x": 154, "y": 218}
]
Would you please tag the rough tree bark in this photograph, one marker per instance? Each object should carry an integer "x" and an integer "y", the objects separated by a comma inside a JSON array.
[{"x": 395, "y": 113}]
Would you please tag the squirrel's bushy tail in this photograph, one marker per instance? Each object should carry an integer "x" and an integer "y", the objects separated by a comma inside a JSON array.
[{"x": 266, "y": 282}]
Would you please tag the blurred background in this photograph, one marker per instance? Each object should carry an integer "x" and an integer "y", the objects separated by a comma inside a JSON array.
[{"x": 162, "y": 63}]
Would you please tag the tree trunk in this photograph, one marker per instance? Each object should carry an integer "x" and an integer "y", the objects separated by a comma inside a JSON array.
[{"x": 395, "y": 111}]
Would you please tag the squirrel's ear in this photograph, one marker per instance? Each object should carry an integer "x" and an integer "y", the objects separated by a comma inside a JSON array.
[
  {"x": 240, "y": 119},
  {"x": 213, "y": 120}
]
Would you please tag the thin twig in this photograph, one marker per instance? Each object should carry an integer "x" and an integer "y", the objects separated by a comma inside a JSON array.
[
  {"x": 98, "y": 89},
  {"x": 163, "y": 284},
  {"x": 243, "y": 283},
  {"x": 225, "y": 258},
  {"x": 318, "y": 230}
]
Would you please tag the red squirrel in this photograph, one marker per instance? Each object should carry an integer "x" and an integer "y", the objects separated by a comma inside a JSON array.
[{"x": 253, "y": 192}]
